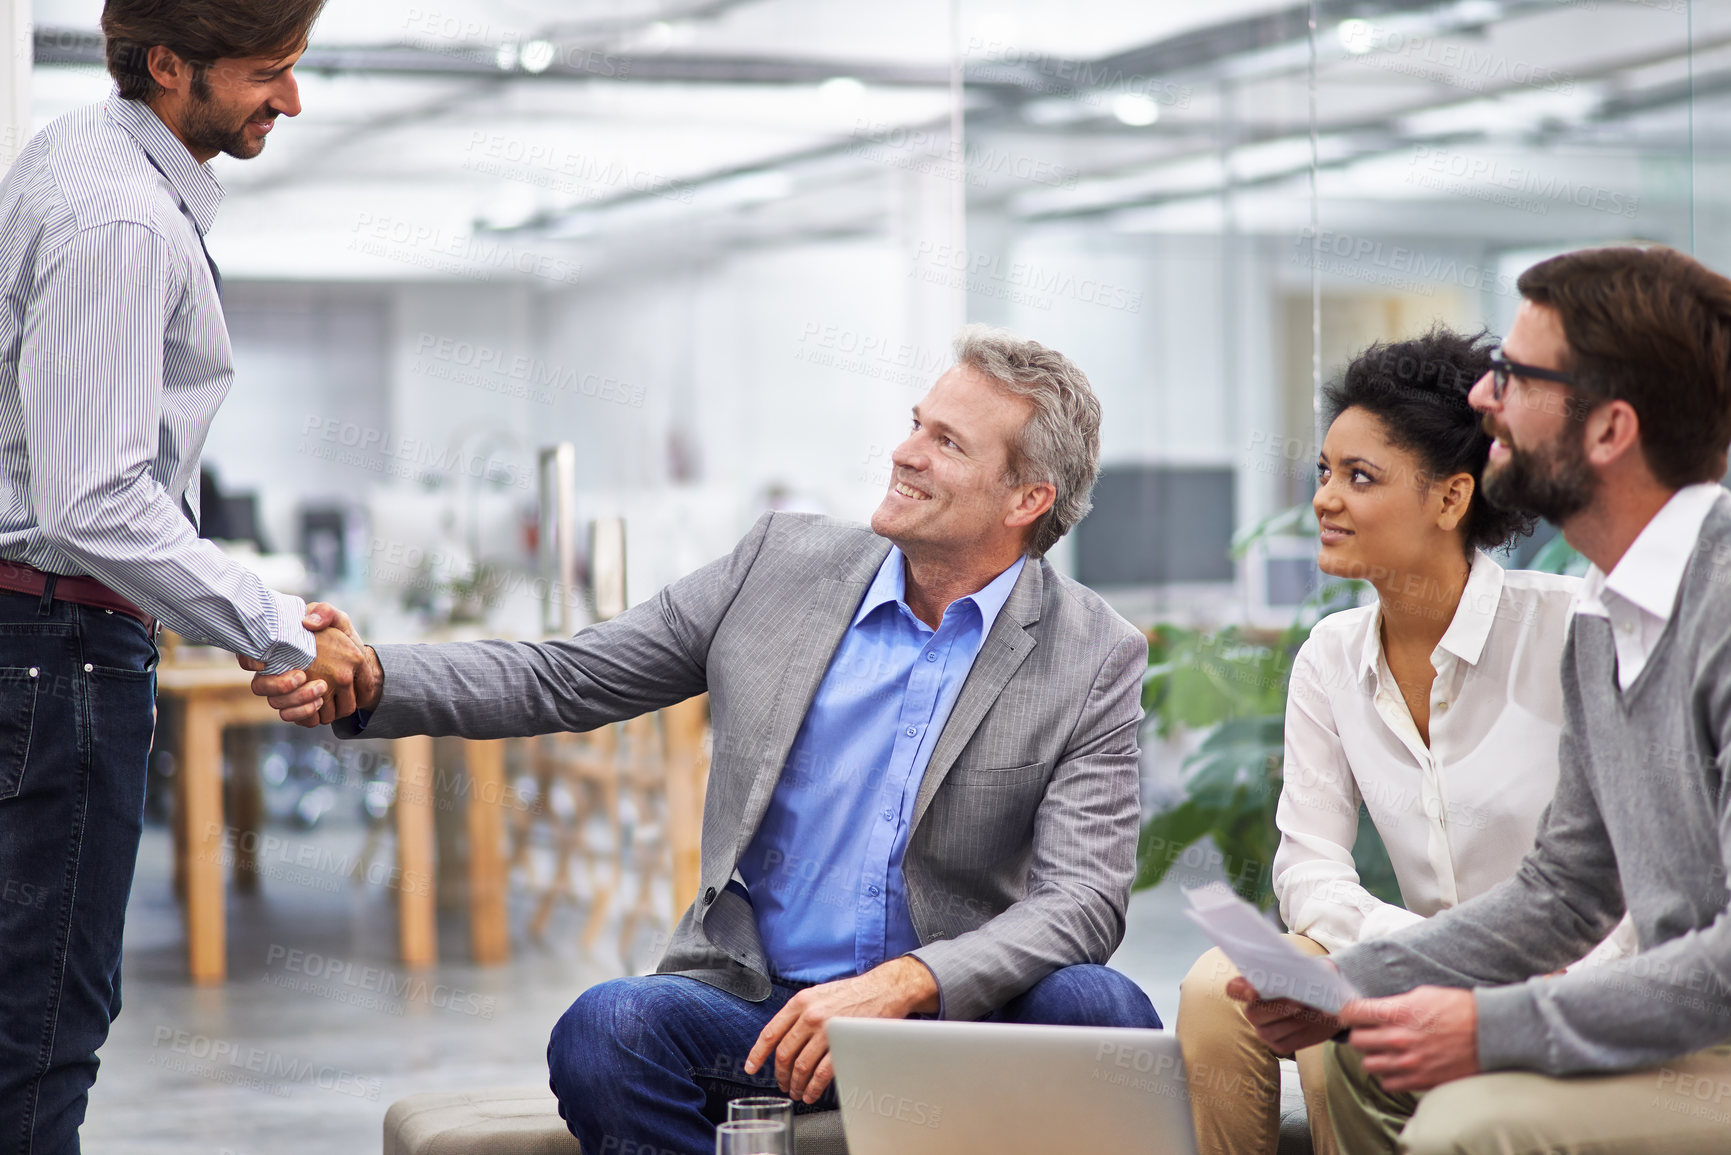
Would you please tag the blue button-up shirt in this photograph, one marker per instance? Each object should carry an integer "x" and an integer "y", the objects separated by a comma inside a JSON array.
[{"x": 824, "y": 868}]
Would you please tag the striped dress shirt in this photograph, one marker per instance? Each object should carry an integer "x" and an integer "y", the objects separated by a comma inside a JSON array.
[{"x": 114, "y": 357}]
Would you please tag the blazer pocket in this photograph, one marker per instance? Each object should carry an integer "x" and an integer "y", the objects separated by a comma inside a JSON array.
[
  {"x": 18, "y": 686},
  {"x": 982, "y": 819},
  {"x": 1008, "y": 776}
]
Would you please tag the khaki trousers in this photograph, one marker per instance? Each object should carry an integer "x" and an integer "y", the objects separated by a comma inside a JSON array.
[
  {"x": 1234, "y": 1078},
  {"x": 1682, "y": 1107}
]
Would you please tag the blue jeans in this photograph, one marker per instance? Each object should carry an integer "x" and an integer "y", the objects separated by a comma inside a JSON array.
[
  {"x": 646, "y": 1066},
  {"x": 77, "y": 709}
]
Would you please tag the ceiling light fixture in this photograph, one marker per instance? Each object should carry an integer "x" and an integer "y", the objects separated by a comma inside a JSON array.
[
  {"x": 842, "y": 90},
  {"x": 512, "y": 207},
  {"x": 538, "y": 55},
  {"x": 1357, "y": 36},
  {"x": 1478, "y": 11},
  {"x": 1135, "y": 109}
]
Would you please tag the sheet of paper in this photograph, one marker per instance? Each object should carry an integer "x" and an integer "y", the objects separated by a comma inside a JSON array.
[{"x": 1276, "y": 968}]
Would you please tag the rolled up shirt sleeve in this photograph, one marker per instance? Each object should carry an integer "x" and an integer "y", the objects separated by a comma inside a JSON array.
[{"x": 90, "y": 373}]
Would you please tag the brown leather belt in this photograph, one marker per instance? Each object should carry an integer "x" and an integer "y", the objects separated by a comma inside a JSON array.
[{"x": 26, "y": 579}]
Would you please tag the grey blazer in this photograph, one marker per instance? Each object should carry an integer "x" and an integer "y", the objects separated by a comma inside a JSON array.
[{"x": 1024, "y": 828}]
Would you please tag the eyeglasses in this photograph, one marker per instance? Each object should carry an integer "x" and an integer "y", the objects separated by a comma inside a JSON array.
[{"x": 1502, "y": 369}]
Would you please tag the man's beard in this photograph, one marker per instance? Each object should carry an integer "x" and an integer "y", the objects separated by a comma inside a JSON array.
[
  {"x": 1553, "y": 480},
  {"x": 206, "y": 126}
]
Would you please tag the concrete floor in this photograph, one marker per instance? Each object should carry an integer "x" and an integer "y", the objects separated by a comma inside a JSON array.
[{"x": 318, "y": 1031}]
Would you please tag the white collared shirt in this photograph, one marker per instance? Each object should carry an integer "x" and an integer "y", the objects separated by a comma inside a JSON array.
[
  {"x": 1641, "y": 589},
  {"x": 1456, "y": 815}
]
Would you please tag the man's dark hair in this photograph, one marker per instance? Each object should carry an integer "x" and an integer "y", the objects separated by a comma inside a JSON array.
[
  {"x": 1418, "y": 390},
  {"x": 1652, "y": 327},
  {"x": 200, "y": 32}
]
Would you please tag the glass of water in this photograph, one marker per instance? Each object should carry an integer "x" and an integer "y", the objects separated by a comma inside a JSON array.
[
  {"x": 762, "y": 1107},
  {"x": 753, "y": 1137}
]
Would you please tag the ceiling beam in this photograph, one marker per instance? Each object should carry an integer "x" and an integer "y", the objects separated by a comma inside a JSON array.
[
  {"x": 65, "y": 46},
  {"x": 1017, "y": 74}
]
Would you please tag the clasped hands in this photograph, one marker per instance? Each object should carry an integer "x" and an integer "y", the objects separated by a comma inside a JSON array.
[
  {"x": 1410, "y": 1042},
  {"x": 345, "y": 675}
]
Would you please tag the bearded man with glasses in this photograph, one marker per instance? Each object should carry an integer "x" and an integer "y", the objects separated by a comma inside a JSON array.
[
  {"x": 1552, "y": 479},
  {"x": 1611, "y": 408}
]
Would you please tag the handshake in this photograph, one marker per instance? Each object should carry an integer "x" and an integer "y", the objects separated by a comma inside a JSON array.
[{"x": 345, "y": 675}]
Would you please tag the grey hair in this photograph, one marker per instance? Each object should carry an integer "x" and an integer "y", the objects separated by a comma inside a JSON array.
[{"x": 1060, "y": 443}]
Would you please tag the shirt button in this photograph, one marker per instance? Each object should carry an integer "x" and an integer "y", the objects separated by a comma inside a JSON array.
[
  {"x": 931, "y": 657},
  {"x": 889, "y": 816},
  {"x": 872, "y": 890},
  {"x": 88, "y": 667},
  {"x": 33, "y": 671},
  {"x": 1442, "y": 705},
  {"x": 1626, "y": 626},
  {"x": 912, "y": 730}
]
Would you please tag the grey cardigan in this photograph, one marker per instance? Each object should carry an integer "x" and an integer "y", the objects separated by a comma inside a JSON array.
[
  {"x": 1642, "y": 816},
  {"x": 1024, "y": 827}
]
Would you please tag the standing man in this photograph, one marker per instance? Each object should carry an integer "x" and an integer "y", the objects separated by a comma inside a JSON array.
[
  {"x": 923, "y": 798},
  {"x": 1611, "y": 407},
  {"x": 113, "y": 360}
]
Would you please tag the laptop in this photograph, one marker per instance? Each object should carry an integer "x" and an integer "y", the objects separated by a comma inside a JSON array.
[{"x": 926, "y": 1087}]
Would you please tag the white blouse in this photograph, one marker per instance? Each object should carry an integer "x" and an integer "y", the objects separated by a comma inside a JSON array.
[{"x": 1457, "y": 816}]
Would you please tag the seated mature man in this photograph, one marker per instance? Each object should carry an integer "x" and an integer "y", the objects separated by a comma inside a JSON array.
[
  {"x": 924, "y": 791},
  {"x": 1611, "y": 410}
]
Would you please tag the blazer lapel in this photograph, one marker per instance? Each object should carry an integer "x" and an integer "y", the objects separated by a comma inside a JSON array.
[
  {"x": 1000, "y": 656},
  {"x": 811, "y": 643}
]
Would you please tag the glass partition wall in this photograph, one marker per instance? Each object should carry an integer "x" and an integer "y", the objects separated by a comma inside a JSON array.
[
  {"x": 673, "y": 234},
  {"x": 721, "y": 248},
  {"x": 1213, "y": 221}
]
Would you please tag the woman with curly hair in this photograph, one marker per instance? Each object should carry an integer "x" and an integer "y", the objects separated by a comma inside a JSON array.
[{"x": 1438, "y": 707}]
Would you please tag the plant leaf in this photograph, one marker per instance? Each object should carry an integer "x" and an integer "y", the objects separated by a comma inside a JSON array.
[
  {"x": 1293, "y": 521},
  {"x": 1558, "y": 556},
  {"x": 1166, "y": 836}
]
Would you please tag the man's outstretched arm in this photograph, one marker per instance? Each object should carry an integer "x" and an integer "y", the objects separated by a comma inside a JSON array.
[{"x": 651, "y": 656}]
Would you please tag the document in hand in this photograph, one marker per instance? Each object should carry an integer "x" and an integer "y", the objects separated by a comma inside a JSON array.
[{"x": 1276, "y": 968}]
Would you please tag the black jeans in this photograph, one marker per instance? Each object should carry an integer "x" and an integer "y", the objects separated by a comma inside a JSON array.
[{"x": 77, "y": 710}]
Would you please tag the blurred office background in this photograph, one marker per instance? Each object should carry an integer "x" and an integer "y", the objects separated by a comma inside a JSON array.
[{"x": 719, "y": 247}]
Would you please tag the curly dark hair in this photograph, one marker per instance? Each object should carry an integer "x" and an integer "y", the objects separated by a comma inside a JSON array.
[{"x": 1418, "y": 390}]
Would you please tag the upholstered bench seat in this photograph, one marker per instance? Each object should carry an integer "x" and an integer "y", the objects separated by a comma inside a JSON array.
[{"x": 525, "y": 1121}]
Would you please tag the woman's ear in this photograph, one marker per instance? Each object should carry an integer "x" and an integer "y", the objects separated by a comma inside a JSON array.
[{"x": 1457, "y": 498}]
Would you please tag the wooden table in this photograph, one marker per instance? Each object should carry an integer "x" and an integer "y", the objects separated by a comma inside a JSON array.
[{"x": 212, "y": 698}]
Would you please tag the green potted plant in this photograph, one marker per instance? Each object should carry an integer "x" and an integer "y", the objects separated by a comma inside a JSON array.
[{"x": 1230, "y": 687}]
